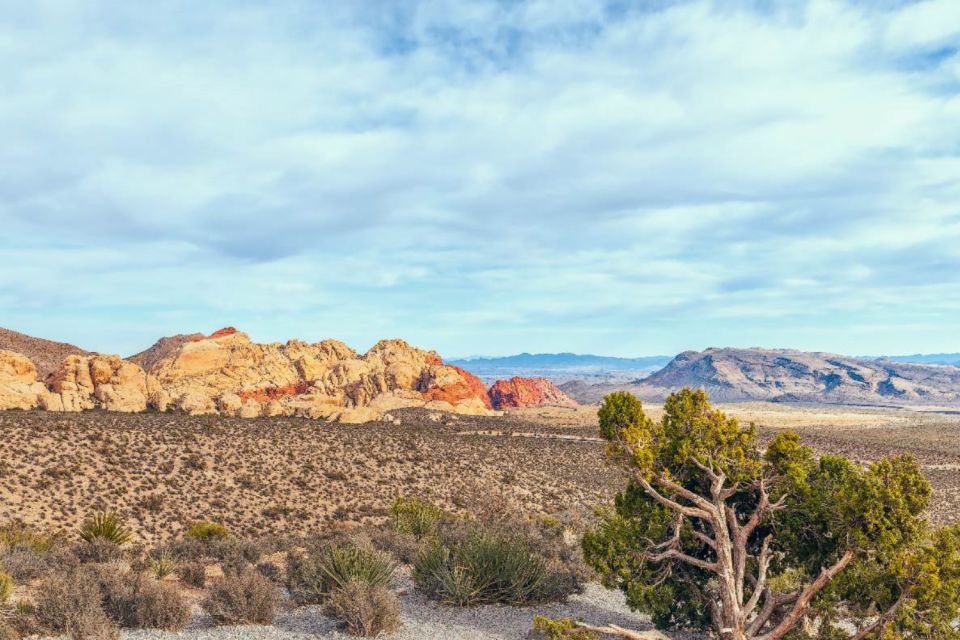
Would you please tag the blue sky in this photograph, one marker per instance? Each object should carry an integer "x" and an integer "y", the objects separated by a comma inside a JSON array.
[{"x": 484, "y": 177}]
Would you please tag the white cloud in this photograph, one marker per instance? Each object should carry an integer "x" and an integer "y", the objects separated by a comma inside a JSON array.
[{"x": 480, "y": 176}]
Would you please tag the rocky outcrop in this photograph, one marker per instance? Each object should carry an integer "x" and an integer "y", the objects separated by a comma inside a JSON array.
[
  {"x": 102, "y": 381},
  {"x": 527, "y": 392},
  {"x": 46, "y": 355},
  {"x": 226, "y": 373},
  {"x": 19, "y": 388},
  {"x": 786, "y": 375}
]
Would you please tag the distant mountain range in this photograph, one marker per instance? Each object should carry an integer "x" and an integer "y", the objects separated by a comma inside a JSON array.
[
  {"x": 921, "y": 358},
  {"x": 786, "y": 375},
  {"x": 563, "y": 366}
]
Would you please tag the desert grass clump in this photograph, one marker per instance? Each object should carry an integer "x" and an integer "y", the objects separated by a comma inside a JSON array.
[
  {"x": 487, "y": 566},
  {"x": 206, "y": 531},
  {"x": 6, "y": 587},
  {"x": 415, "y": 517},
  {"x": 242, "y": 598},
  {"x": 193, "y": 573},
  {"x": 313, "y": 575},
  {"x": 105, "y": 525},
  {"x": 364, "y": 609}
]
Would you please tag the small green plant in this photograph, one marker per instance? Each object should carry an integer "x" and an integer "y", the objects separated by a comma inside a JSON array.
[
  {"x": 105, "y": 525},
  {"x": 415, "y": 517},
  {"x": 6, "y": 587},
  {"x": 207, "y": 531},
  {"x": 563, "y": 629}
]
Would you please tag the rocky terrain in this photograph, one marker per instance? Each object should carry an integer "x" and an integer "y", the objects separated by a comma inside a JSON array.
[
  {"x": 46, "y": 355},
  {"x": 225, "y": 373},
  {"x": 784, "y": 375}
]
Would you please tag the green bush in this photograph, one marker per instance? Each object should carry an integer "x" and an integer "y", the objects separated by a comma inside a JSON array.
[
  {"x": 313, "y": 575},
  {"x": 19, "y": 536},
  {"x": 242, "y": 598},
  {"x": 563, "y": 629},
  {"x": 105, "y": 525},
  {"x": 415, "y": 517},
  {"x": 206, "y": 531},
  {"x": 487, "y": 566},
  {"x": 365, "y": 610}
]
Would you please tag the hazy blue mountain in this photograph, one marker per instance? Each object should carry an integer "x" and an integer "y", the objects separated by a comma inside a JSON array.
[
  {"x": 562, "y": 366},
  {"x": 926, "y": 358}
]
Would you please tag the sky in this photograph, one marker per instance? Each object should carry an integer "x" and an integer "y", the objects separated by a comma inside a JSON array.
[{"x": 620, "y": 178}]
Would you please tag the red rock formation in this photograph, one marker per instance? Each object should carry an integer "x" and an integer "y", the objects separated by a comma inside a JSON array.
[
  {"x": 267, "y": 394},
  {"x": 527, "y": 392},
  {"x": 469, "y": 387},
  {"x": 219, "y": 333}
]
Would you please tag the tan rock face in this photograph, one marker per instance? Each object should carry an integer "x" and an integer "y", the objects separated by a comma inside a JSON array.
[
  {"x": 19, "y": 388},
  {"x": 108, "y": 382},
  {"x": 227, "y": 373}
]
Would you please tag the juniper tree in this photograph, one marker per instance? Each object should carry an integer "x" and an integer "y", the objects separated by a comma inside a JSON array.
[{"x": 712, "y": 533}]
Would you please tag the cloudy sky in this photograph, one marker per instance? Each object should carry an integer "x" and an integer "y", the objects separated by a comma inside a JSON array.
[{"x": 484, "y": 177}]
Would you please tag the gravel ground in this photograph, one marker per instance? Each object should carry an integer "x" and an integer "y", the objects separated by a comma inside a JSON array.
[{"x": 422, "y": 620}]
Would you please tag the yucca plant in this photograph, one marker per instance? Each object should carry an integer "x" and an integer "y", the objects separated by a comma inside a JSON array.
[
  {"x": 105, "y": 525},
  {"x": 162, "y": 565},
  {"x": 312, "y": 576}
]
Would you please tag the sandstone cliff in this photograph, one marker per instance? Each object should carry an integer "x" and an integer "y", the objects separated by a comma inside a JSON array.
[{"x": 527, "y": 392}]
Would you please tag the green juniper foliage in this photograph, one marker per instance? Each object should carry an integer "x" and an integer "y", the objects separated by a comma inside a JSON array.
[{"x": 711, "y": 533}]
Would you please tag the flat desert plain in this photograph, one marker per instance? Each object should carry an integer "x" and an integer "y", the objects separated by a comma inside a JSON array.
[{"x": 297, "y": 476}]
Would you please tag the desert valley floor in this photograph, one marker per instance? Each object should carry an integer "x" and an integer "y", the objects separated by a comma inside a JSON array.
[{"x": 286, "y": 475}]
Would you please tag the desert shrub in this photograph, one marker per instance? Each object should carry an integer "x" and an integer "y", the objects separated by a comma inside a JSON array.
[
  {"x": 6, "y": 587},
  {"x": 98, "y": 551},
  {"x": 7, "y": 632},
  {"x": 19, "y": 536},
  {"x": 206, "y": 531},
  {"x": 270, "y": 571},
  {"x": 242, "y": 598},
  {"x": 70, "y": 603},
  {"x": 482, "y": 565},
  {"x": 364, "y": 609},
  {"x": 162, "y": 564},
  {"x": 405, "y": 547},
  {"x": 236, "y": 555},
  {"x": 562, "y": 629},
  {"x": 415, "y": 517},
  {"x": 105, "y": 525},
  {"x": 137, "y": 601},
  {"x": 312, "y": 575},
  {"x": 193, "y": 573}
]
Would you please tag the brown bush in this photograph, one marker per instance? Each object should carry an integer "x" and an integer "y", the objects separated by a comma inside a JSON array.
[
  {"x": 242, "y": 598},
  {"x": 69, "y": 603},
  {"x": 193, "y": 573},
  {"x": 99, "y": 551},
  {"x": 365, "y": 610}
]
